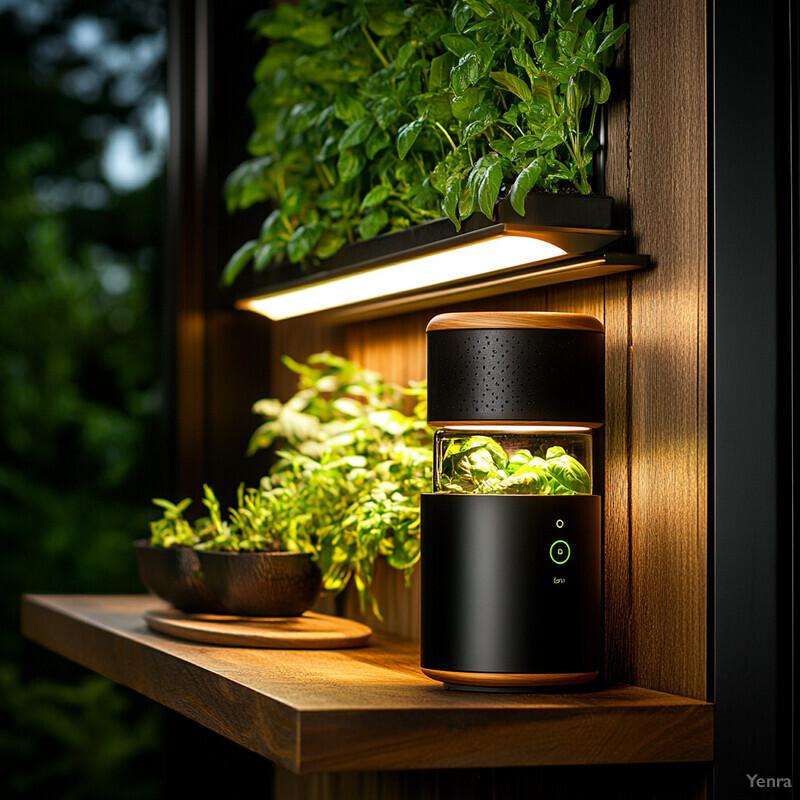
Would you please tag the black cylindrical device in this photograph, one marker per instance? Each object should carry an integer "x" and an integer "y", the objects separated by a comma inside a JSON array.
[{"x": 511, "y": 534}]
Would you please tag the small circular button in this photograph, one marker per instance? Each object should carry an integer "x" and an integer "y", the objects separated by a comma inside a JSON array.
[{"x": 560, "y": 552}]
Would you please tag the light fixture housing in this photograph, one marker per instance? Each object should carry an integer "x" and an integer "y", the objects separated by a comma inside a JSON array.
[{"x": 556, "y": 240}]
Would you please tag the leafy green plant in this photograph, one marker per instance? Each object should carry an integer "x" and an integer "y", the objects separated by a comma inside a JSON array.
[
  {"x": 479, "y": 465},
  {"x": 347, "y": 484},
  {"x": 374, "y": 115},
  {"x": 250, "y": 526},
  {"x": 352, "y": 463},
  {"x": 172, "y": 530}
]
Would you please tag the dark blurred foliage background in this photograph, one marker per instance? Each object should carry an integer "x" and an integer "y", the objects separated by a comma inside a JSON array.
[{"x": 83, "y": 136}]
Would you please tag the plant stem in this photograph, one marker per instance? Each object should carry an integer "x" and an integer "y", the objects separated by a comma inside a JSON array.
[
  {"x": 415, "y": 212},
  {"x": 506, "y": 132},
  {"x": 375, "y": 47},
  {"x": 574, "y": 147},
  {"x": 327, "y": 172},
  {"x": 321, "y": 175},
  {"x": 592, "y": 121},
  {"x": 444, "y": 131}
]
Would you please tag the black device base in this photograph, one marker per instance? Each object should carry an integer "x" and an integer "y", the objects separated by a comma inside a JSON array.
[{"x": 510, "y": 589}]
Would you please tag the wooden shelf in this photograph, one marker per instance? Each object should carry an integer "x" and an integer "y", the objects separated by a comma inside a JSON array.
[{"x": 363, "y": 709}]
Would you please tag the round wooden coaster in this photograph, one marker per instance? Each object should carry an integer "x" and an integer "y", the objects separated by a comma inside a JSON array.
[{"x": 311, "y": 631}]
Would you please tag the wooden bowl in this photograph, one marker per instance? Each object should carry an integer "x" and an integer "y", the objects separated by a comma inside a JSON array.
[
  {"x": 174, "y": 575},
  {"x": 275, "y": 584}
]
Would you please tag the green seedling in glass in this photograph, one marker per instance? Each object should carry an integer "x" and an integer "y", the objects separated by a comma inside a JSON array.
[{"x": 479, "y": 465}]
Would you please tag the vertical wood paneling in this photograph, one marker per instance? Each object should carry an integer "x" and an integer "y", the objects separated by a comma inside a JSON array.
[
  {"x": 668, "y": 175},
  {"x": 298, "y": 338},
  {"x": 616, "y": 500},
  {"x": 618, "y": 600}
]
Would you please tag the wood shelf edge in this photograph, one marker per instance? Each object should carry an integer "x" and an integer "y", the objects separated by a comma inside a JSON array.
[
  {"x": 314, "y": 730},
  {"x": 70, "y": 637}
]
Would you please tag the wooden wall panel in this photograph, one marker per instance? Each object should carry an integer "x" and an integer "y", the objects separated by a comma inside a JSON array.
[{"x": 668, "y": 204}]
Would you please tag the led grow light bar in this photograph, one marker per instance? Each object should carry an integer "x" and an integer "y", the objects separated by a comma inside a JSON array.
[
  {"x": 559, "y": 238},
  {"x": 484, "y": 257}
]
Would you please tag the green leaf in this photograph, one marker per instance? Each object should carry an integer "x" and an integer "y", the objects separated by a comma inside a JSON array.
[
  {"x": 461, "y": 15},
  {"x": 477, "y": 127},
  {"x": 350, "y": 164},
  {"x": 275, "y": 29},
  {"x": 348, "y": 109},
  {"x": 611, "y": 39},
  {"x": 407, "y": 135},
  {"x": 302, "y": 242},
  {"x": 440, "y": 71},
  {"x": 329, "y": 244},
  {"x": 513, "y": 84},
  {"x": 468, "y": 202},
  {"x": 550, "y": 140},
  {"x": 602, "y": 90},
  {"x": 589, "y": 41},
  {"x": 524, "y": 144},
  {"x": 373, "y": 223},
  {"x": 266, "y": 253},
  {"x": 606, "y": 23},
  {"x": 404, "y": 54},
  {"x": 567, "y": 41},
  {"x": 525, "y": 181},
  {"x": 570, "y": 473},
  {"x": 463, "y": 105},
  {"x": 529, "y": 479},
  {"x": 356, "y": 133},
  {"x": 528, "y": 28},
  {"x": 376, "y": 196},
  {"x": 465, "y": 73},
  {"x": 561, "y": 72},
  {"x": 563, "y": 9},
  {"x": 519, "y": 460},
  {"x": 503, "y": 145},
  {"x": 292, "y": 201},
  {"x": 457, "y": 44},
  {"x": 452, "y": 192},
  {"x": 377, "y": 141},
  {"x": 480, "y": 7},
  {"x": 301, "y": 116},
  {"x": 316, "y": 33},
  {"x": 271, "y": 224},
  {"x": 489, "y": 187},
  {"x": 386, "y": 22},
  {"x": 522, "y": 58},
  {"x": 238, "y": 261}
]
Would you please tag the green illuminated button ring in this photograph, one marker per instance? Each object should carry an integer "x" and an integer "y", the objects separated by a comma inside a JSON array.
[{"x": 560, "y": 552}]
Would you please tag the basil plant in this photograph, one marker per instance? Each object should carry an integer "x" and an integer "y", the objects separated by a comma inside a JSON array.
[{"x": 480, "y": 465}]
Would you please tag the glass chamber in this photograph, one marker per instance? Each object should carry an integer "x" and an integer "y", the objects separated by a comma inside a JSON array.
[{"x": 518, "y": 459}]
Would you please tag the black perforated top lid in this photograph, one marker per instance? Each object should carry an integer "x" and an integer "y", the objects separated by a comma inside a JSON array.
[{"x": 525, "y": 367}]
